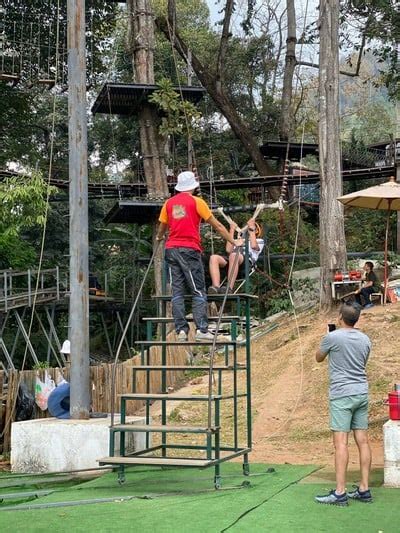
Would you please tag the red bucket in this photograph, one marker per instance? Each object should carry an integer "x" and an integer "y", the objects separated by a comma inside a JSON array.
[{"x": 394, "y": 405}]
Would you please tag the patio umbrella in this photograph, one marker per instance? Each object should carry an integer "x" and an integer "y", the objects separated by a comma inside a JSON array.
[{"x": 385, "y": 196}]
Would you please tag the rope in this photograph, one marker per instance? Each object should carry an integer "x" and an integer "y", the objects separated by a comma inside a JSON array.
[
  {"x": 12, "y": 411},
  {"x": 171, "y": 33},
  {"x": 125, "y": 330},
  {"x": 237, "y": 252}
]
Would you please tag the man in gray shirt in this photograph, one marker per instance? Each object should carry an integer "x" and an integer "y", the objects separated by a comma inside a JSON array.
[{"x": 347, "y": 350}]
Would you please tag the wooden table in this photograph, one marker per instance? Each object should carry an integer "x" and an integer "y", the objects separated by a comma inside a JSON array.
[{"x": 344, "y": 283}]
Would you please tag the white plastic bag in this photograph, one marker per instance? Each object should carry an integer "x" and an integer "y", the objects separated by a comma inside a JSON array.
[{"x": 43, "y": 390}]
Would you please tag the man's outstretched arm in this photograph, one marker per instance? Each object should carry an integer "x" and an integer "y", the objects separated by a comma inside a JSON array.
[
  {"x": 320, "y": 356},
  {"x": 216, "y": 224}
]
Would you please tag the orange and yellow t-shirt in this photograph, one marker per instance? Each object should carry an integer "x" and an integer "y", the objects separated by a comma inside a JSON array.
[{"x": 183, "y": 214}]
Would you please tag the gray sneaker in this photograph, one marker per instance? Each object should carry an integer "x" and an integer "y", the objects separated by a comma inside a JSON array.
[
  {"x": 333, "y": 499},
  {"x": 204, "y": 336},
  {"x": 360, "y": 496},
  {"x": 213, "y": 290},
  {"x": 182, "y": 336}
]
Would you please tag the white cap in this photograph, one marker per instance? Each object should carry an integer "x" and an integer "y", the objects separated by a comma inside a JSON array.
[
  {"x": 66, "y": 347},
  {"x": 186, "y": 182}
]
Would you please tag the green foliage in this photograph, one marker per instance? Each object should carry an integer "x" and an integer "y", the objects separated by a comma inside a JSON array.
[
  {"x": 380, "y": 21},
  {"x": 23, "y": 206},
  {"x": 15, "y": 252},
  {"x": 365, "y": 229},
  {"x": 23, "y": 202},
  {"x": 41, "y": 365},
  {"x": 178, "y": 115}
]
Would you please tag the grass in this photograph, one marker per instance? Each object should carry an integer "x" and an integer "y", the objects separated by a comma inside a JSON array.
[{"x": 184, "y": 500}]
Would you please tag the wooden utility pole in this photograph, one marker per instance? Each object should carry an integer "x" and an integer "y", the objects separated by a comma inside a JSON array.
[
  {"x": 331, "y": 219},
  {"x": 78, "y": 204},
  {"x": 141, "y": 41}
]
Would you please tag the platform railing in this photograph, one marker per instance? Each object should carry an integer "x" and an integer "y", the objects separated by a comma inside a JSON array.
[{"x": 19, "y": 289}]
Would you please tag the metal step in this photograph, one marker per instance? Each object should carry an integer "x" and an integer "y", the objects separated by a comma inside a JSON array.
[
  {"x": 185, "y": 343},
  {"x": 167, "y": 320},
  {"x": 186, "y": 367},
  {"x": 210, "y": 297},
  {"x": 163, "y": 429},
  {"x": 172, "y": 397},
  {"x": 157, "y": 461}
]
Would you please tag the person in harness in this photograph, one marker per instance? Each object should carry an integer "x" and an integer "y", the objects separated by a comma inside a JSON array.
[{"x": 217, "y": 262}]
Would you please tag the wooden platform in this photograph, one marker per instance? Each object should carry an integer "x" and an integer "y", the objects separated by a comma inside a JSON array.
[{"x": 156, "y": 461}]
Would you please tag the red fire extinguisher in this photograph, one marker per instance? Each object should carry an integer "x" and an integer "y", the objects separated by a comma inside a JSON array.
[{"x": 394, "y": 403}]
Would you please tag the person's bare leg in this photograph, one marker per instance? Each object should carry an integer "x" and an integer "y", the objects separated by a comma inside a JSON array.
[
  {"x": 364, "y": 450},
  {"x": 215, "y": 264},
  {"x": 233, "y": 268},
  {"x": 340, "y": 442}
]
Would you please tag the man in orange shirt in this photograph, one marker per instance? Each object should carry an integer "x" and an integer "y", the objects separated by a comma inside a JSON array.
[{"x": 182, "y": 215}]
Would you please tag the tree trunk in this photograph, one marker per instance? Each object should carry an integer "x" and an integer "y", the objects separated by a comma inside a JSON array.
[
  {"x": 141, "y": 44},
  {"x": 332, "y": 236},
  {"x": 286, "y": 123}
]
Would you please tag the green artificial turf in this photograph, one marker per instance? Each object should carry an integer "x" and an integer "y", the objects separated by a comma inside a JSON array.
[{"x": 183, "y": 500}]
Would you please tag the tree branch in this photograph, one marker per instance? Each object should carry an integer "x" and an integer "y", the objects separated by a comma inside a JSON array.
[
  {"x": 223, "y": 46},
  {"x": 344, "y": 72},
  {"x": 220, "y": 98}
]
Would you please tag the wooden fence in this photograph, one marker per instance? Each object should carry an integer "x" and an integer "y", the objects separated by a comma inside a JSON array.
[{"x": 100, "y": 377}]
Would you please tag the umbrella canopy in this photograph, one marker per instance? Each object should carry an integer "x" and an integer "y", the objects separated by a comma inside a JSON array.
[{"x": 384, "y": 196}]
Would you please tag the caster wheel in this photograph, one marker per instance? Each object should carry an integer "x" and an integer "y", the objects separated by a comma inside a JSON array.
[{"x": 246, "y": 484}]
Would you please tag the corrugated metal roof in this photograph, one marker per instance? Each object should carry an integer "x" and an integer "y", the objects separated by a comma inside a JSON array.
[
  {"x": 278, "y": 150},
  {"x": 134, "y": 211},
  {"x": 127, "y": 98}
]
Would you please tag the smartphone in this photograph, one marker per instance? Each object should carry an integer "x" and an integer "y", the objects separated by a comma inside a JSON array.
[{"x": 331, "y": 327}]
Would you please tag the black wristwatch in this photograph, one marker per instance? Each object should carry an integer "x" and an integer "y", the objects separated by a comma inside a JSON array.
[{"x": 251, "y": 229}]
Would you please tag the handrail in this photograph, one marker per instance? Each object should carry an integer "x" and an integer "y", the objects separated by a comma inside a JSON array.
[{"x": 16, "y": 294}]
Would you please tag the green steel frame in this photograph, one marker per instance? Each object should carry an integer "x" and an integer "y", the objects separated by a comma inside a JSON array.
[{"x": 214, "y": 452}]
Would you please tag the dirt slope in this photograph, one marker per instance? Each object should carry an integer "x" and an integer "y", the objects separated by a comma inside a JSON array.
[
  {"x": 289, "y": 389},
  {"x": 291, "y": 423}
]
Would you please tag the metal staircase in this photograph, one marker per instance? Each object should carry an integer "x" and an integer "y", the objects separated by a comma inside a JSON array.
[{"x": 210, "y": 452}]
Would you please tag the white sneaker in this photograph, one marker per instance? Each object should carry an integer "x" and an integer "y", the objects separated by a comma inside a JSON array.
[
  {"x": 206, "y": 336},
  {"x": 182, "y": 336}
]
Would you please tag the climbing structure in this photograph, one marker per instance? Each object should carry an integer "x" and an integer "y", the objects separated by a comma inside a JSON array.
[{"x": 224, "y": 394}]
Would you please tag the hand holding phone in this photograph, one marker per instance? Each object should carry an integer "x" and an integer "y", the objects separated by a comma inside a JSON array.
[{"x": 331, "y": 327}]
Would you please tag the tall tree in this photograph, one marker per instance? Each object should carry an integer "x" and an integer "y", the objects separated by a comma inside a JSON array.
[
  {"x": 141, "y": 42},
  {"x": 286, "y": 122},
  {"x": 331, "y": 220},
  {"x": 212, "y": 78}
]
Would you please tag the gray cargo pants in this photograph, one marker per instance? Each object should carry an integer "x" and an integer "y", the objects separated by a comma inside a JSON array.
[{"x": 186, "y": 273}]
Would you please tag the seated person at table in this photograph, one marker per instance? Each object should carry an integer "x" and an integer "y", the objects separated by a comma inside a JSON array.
[
  {"x": 256, "y": 244},
  {"x": 371, "y": 285}
]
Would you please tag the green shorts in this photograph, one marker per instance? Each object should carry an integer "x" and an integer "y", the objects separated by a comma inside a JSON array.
[{"x": 350, "y": 412}]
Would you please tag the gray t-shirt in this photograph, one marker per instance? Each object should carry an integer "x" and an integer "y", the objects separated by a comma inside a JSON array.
[{"x": 348, "y": 351}]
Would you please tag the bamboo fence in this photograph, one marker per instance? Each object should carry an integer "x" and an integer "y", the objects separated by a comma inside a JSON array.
[{"x": 100, "y": 385}]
